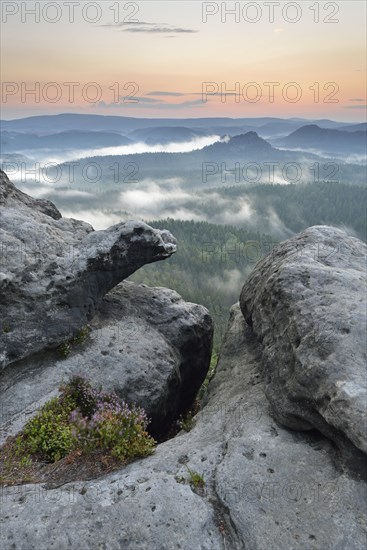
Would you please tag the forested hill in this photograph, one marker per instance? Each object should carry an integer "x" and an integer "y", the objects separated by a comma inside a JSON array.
[
  {"x": 298, "y": 206},
  {"x": 210, "y": 265},
  {"x": 213, "y": 261}
]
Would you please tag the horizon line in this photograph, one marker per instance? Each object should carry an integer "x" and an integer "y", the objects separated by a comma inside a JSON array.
[{"x": 178, "y": 118}]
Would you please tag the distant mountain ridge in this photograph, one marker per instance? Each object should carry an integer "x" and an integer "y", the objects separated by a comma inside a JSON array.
[
  {"x": 250, "y": 142},
  {"x": 330, "y": 140},
  {"x": 73, "y": 121},
  {"x": 70, "y": 139}
]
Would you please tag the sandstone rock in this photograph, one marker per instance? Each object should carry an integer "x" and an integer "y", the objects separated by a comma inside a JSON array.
[
  {"x": 146, "y": 344},
  {"x": 265, "y": 486},
  {"x": 55, "y": 271},
  {"x": 306, "y": 303}
]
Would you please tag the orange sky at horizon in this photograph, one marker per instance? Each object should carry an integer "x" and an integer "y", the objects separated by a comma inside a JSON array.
[{"x": 162, "y": 53}]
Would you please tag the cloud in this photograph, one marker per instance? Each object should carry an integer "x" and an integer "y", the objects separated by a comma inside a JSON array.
[
  {"x": 356, "y": 159},
  {"x": 168, "y": 94},
  {"x": 140, "y": 99},
  {"x": 145, "y": 27},
  {"x": 231, "y": 215},
  {"x": 124, "y": 24},
  {"x": 278, "y": 30},
  {"x": 275, "y": 224},
  {"x": 153, "y": 103},
  {"x": 99, "y": 220},
  {"x": 355, "y": 106},
  {"x": 232, "y": 279},
  {"x": 153, "y": 199},
  {"x": 43, "y": 156},
  {"x": 189, "y": 103},
  {"x": 158, "y": 30},
  {"x": 123, "y": 101}
]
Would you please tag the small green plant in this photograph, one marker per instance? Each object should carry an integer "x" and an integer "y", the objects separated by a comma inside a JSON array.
[
  {"x": 82, "y": 335},
  {"x": 81, "y": 393},
  {"x": 187, "y": 422},
  {"x": 25, "y": 461},
  {"x": 65, "y": 348},
  {"x": 196, "y": 479},
  {"x": 48, "y": 435},
  {"x": 209, "y": 376},
  {"x": 84, "y": 419},
  {"x": 6, "y": 329}
]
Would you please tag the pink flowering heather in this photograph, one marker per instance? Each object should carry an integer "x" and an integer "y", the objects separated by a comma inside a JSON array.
[
  {"x": 86, "y": 419},
  {"x": 102, "y": 421}
]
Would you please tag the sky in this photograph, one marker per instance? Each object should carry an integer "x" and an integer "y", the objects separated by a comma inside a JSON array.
[{"x": 178, "y": 59}]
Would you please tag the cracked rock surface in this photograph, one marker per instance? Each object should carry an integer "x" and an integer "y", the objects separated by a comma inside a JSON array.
[{"x": 265, "y": 486}]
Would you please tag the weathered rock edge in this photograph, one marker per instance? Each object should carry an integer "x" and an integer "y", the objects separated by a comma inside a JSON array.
[{"x": 55, "y": 271}]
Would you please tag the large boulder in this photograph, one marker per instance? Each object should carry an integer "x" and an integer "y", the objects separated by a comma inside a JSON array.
[
  {"x": 55, "y": 271},
  {"x": 146, "y": 344},
  {"x": 306, "y": 303}
]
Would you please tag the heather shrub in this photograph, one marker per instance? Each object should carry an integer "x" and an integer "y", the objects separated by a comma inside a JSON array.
[
  {"x": 101, "y": 421},
  {"x": 86, "y": 419},
  {"x": 82, "y": 394},
  {"x": 48, "y": 435}
]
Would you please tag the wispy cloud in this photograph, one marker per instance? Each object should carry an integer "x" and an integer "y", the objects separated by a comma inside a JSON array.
[
  {"x": 125, "y": 24},
  {"x": 153, "y": 104},
  {"x": 158, "y": 30},
  {"x": 133, "y": 100},
  {"x": 141, "y": 99},
  {"x": 179, "y": 94},
  {"x": 168, "y": 94},
  {"x": 355, "y": 106},
  {"x": 189, "y": 103},
  {"x": 145, "y": 27},
  {"x": 43, "y": 157}
]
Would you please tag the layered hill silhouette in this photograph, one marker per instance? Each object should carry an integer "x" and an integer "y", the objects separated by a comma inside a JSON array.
[
  {"x": 328, "y": 140},
  {"x": 68, "y": 140}
]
